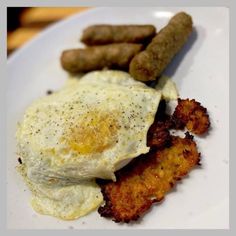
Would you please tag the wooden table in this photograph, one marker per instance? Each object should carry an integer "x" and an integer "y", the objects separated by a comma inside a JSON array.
[{"x": 34, "y": 20}]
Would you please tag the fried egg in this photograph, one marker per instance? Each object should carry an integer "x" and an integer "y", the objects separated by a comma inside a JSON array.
[
  {"x": 64, "y": 202},
  {"x": 168, "y": 88},
  {"x": 89, "y": 129}
]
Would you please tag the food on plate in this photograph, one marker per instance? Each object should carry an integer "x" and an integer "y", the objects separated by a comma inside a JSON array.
[
  {"x": 188, "y": 114},
  {"x": 108, "y": 126},
  {"x": 87, "y": 129},
  {"x": 106, "y": 34},
  {"x": 150, "y": 63},
  {"x": 147, "y": 180},
  {"x": 116, "y": 56},
  {"x": 191, "y": 114},
  {"x": 165, "y": 84},
  {"x": 120, "y": 47},
  {"x": 158, "y": 136},
  {"x": 67, "y": 202},
  {"x": 90, "y": 128}
]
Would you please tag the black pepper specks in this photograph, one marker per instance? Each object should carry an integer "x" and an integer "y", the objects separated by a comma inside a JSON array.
[{"x": 49, "y": 92}]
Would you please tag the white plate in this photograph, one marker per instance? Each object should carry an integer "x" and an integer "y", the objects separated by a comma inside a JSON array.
[{"x": 201, "y": 71}]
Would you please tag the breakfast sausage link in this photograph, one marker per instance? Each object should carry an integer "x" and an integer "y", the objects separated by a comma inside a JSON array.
[
  {"x": 150, "y": 63},
  {"x": 106, "y": 34},
  {"x": 98, "y": 57}
]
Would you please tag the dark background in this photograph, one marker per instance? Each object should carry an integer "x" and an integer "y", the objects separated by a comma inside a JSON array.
[
  {"x": 13, "y": 17},
  {"x": 24, "y": 23}
]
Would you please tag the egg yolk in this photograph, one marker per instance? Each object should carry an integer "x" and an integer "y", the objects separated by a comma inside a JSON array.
[{"x": 94, "y": 133}]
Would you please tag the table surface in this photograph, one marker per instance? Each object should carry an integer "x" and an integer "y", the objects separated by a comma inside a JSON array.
[{"x": 34, "y": 20}]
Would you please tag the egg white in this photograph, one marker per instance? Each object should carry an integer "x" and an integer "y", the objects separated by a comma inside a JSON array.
[
  {"x": 168, "y": 88},
  {"x": 65, "y": 202},
  {"x": 90, "y": 128}
]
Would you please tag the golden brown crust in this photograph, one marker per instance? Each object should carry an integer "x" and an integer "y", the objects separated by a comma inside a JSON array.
[
  {"x": 116, "y": 56},
  {"x": 158, "y": 135},
  {"x": 147, "y": 180},
  {"x": 191, "y": 114},
  {"x": 106, "y": 34},
  {"x": 150, "y": 63}
]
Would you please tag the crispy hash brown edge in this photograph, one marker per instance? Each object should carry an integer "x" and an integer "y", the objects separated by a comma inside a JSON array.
[
  {"x": 191, "y": 114},
  {"x": 147, "y": 180}
]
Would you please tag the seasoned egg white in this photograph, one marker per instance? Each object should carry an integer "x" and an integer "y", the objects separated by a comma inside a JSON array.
[{"x": 90, "y": 128}]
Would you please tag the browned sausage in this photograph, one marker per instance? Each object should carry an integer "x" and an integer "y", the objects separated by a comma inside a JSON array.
[
  {"x": 150, "y": 63},
  {"x": 95, "y": 58},
  {"x": 106, "y": 34}
]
